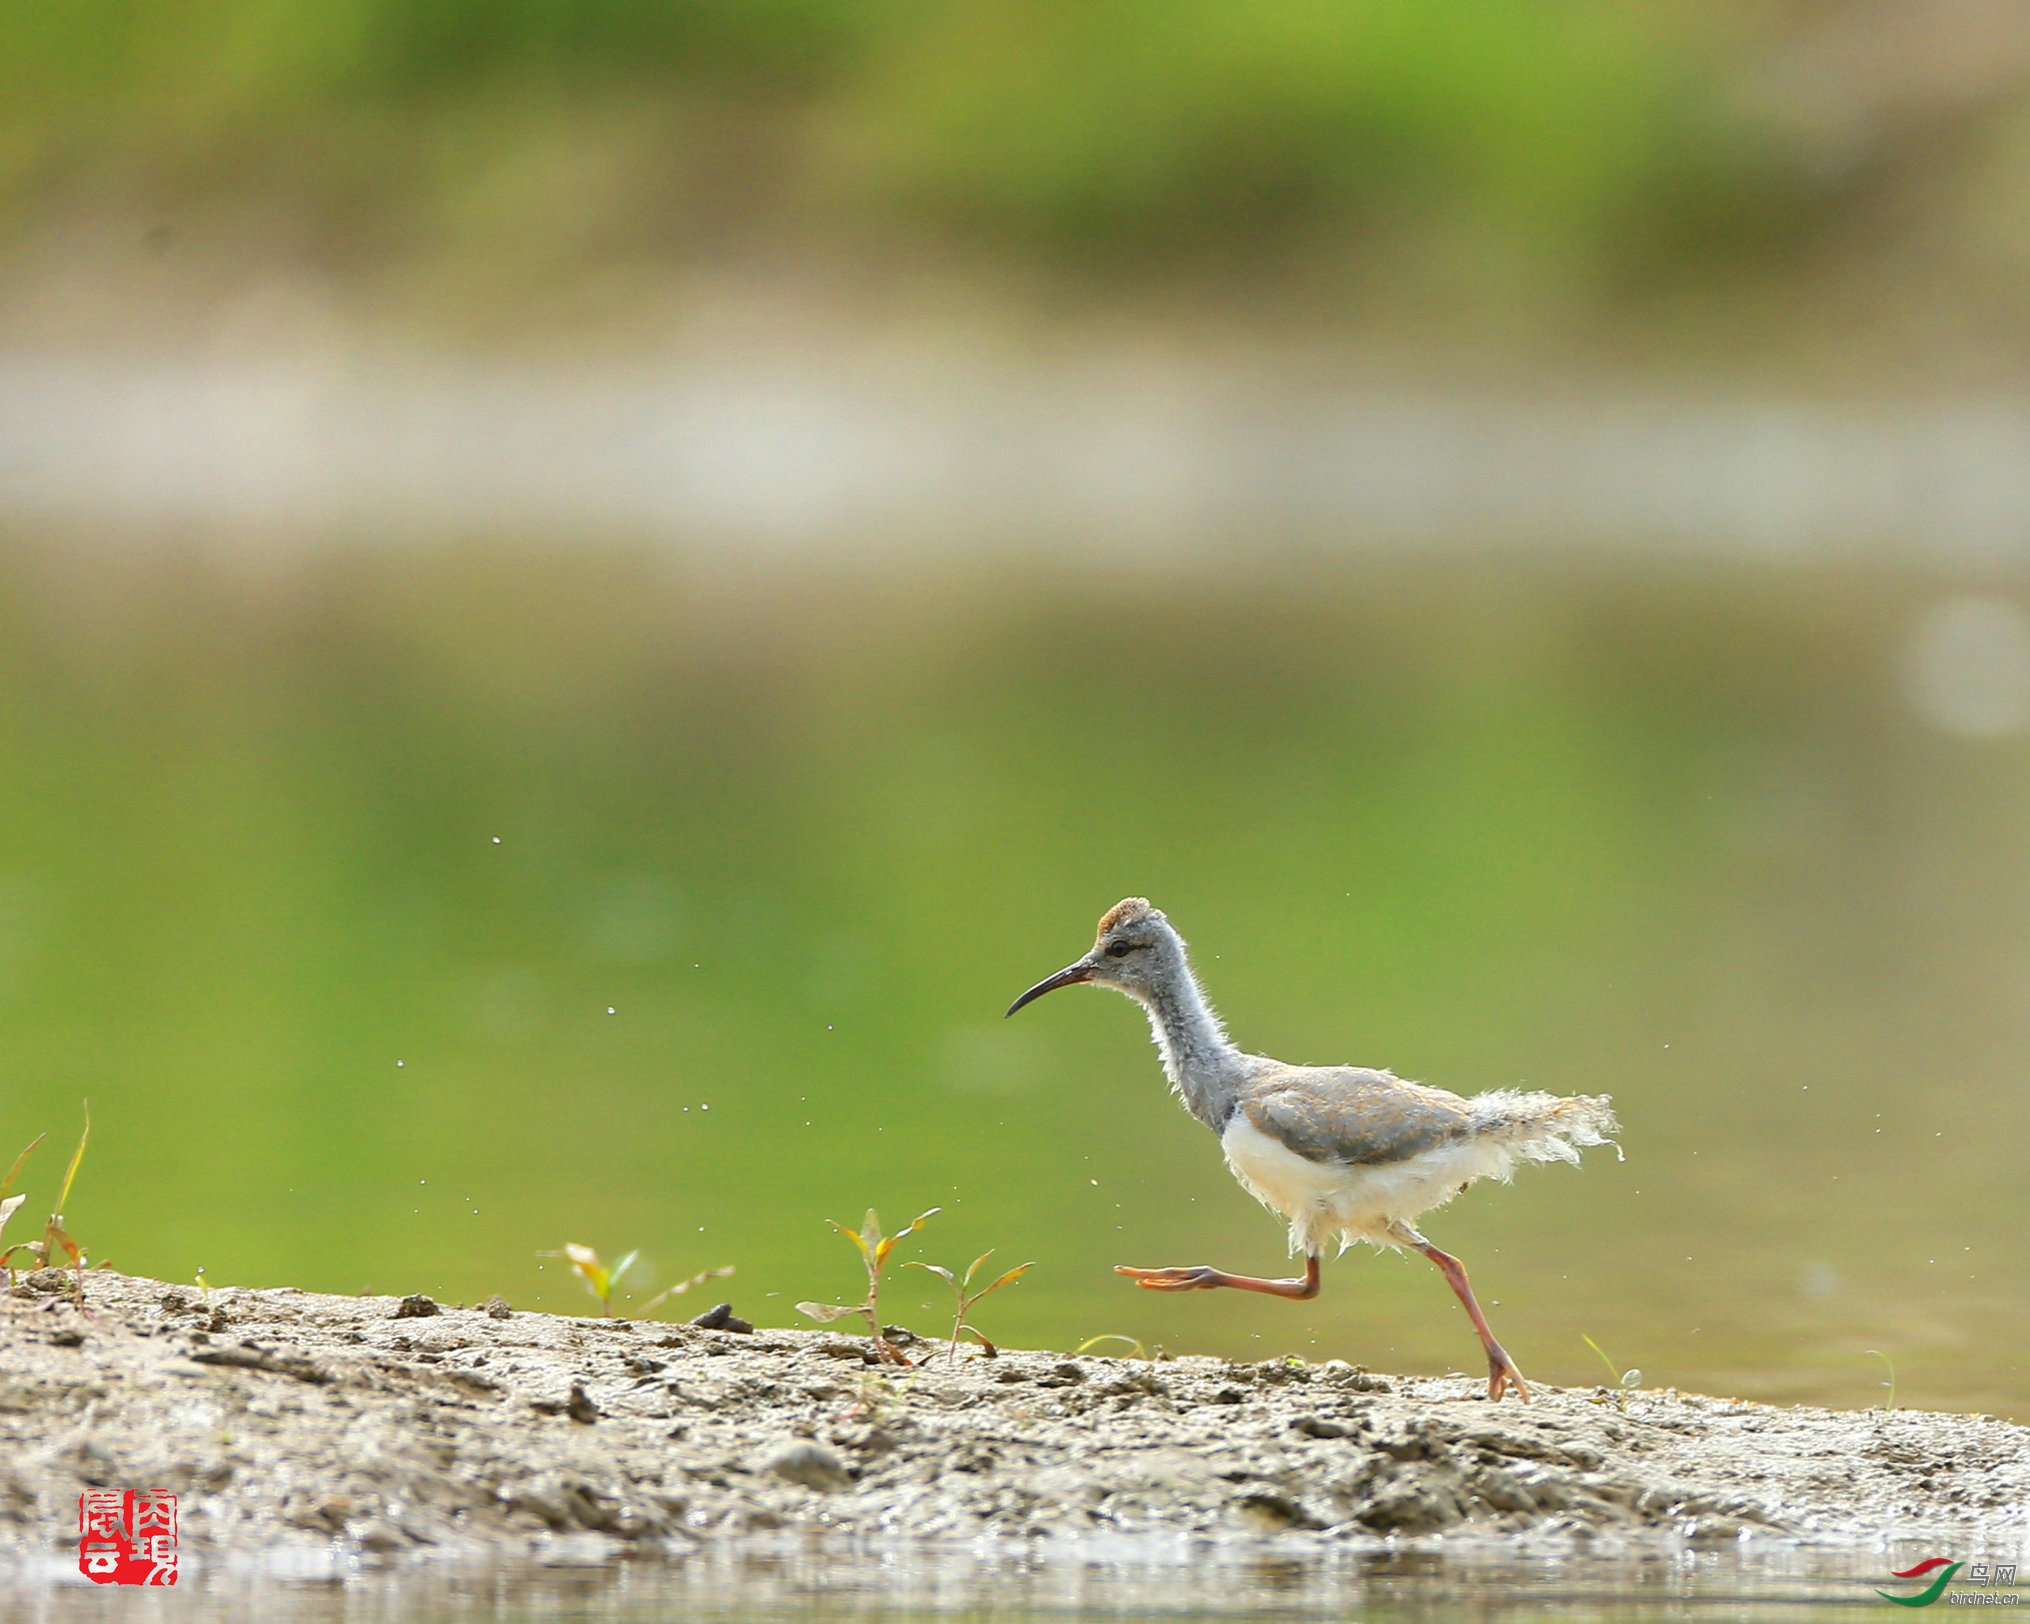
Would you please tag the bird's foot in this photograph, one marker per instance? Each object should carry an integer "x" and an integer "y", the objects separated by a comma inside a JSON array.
[
  {"x": 1501, "y": 1371},
  {"x": 1189, "y": 1277},
  {"x": 1199, "y": 1277}
]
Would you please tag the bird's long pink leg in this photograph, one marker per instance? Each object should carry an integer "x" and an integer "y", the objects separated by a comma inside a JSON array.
[
  {"x": 1200, "y": 1278},
  {"x": 1501, "y": 1368}
]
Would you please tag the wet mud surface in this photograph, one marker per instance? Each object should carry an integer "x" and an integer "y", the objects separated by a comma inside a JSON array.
[{"x": 381, "y": 1429}]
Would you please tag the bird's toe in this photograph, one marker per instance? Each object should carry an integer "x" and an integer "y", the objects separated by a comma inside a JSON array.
[
  {"x": 1188, "y": 1278},
  {"x": 1501, "y": 1372}
]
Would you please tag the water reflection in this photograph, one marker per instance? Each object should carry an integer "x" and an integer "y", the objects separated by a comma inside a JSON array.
[{"x": 820, "y": 1584}]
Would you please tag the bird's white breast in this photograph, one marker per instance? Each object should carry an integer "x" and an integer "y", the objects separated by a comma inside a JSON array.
[{"x": 1356, "y": 1203}]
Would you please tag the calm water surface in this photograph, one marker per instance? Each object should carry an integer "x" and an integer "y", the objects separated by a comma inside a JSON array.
[{"x": 1096, "y": 1584}]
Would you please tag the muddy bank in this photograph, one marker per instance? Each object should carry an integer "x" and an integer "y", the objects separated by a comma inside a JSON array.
[{"x": 383, "y": 1428}]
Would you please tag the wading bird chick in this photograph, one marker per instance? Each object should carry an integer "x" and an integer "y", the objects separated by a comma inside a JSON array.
[{"x": 1338, "y": 1150}]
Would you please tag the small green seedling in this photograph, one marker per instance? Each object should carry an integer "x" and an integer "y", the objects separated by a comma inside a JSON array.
[
  {"x": 1625, "y": 1381},
  {"x": 1110, "y": 1336},
  {"x": 967, "y": 1297},
  {"x": 1891, "y": 1382},
  {"x": 55, "y": 1237},
  {"x": 681, "y": 1287},
  {"x": 874, "y": 1250},
  {"x": 599, "y": 1280},
  {"x": 602, "y": 1282}
]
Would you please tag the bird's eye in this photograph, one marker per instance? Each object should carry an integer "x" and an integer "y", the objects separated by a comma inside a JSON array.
[{"x": 1117, "y": 950}]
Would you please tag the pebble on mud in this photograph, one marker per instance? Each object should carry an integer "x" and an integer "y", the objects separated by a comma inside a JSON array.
[
  {"x": 812, "y": 1465},
  {"x": 579, "y": 1406},
  {"x": 720, "y": 1317}
]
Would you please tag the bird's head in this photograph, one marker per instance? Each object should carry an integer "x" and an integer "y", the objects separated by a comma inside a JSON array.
[{"x": 1136, "y": 952}]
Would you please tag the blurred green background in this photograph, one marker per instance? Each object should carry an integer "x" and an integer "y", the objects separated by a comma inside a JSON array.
[
  {"x": 410, "y": 899},
  {"x": 1581, "y": 134},
  {"x": 1839, "y": 181},
  {"x": 406, "y": 925}
]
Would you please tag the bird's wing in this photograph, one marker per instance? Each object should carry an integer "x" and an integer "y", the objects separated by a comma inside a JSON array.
[{"x": 1351, "y": 1115}]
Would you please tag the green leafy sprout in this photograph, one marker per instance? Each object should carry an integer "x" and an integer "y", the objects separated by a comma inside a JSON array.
[
  {"x": 602, "y": 1281},
  {"x": 591, "y": 1268},
  {"x": 874, "y": 1249},
  {"x": 962, "y": 1290},
  {"x": 1625, "y": 1381},
  {"x": 55, "y": 1237}
]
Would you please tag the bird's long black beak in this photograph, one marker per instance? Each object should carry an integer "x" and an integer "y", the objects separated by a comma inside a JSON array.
[{"x": 1070, "y": 975}]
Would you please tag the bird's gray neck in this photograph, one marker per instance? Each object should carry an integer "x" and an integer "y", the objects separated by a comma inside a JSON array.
[{"x": 1197, "y": 1056}]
